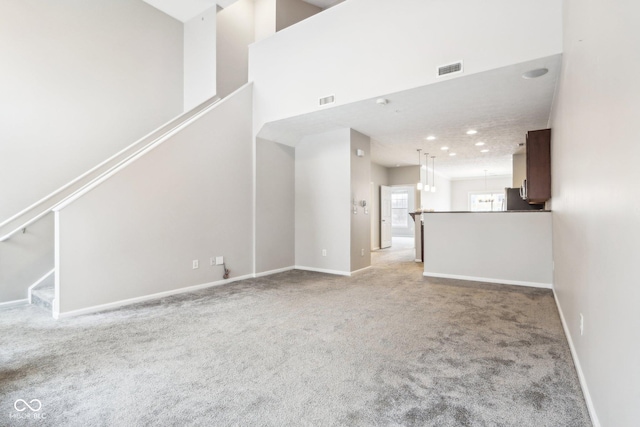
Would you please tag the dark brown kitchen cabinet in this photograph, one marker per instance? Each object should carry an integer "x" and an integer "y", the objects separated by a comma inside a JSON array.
[{"x": 538, "y": 184}]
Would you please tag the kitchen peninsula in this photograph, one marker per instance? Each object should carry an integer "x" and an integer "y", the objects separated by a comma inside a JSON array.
[{"x": 510, "y": 247}]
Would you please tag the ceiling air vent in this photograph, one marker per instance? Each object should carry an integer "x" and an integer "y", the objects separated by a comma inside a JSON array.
[
  {"x": 450, "y": 68},
  {"x": 327, "y": 100}
]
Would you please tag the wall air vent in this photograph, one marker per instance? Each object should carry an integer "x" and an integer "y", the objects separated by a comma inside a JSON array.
[
  {"x": 450, "y": 68},
  {"x": 327, "y": 100}
]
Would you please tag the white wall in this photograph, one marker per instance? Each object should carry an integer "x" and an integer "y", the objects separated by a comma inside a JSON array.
[
  {"x": 289, "y": 12},
  {"x": 235, "y": 32},
  {"x": 596, "y": 231},
  {"x": 462, "y": 188},
  {"x": 440, "y": 200},
  {"x": 265, "y": 18},
  {"x": 25, "y": 258},
  {"x": 405, "y": 175},
  {"x": 379, "y": 176},
  {"x": 519, "y": 162},
  {"x": 275, "y": 206},
  {"x": 137, "y": 233},
  {"x": 199, "y": 58},
  {"x": 79, "y": 81},
  {"x": 323, "y": 201},
  {"x": 360, "y": 172},
  {"x": 497, "y": 247},
  {"x": 341, "y": 61}
]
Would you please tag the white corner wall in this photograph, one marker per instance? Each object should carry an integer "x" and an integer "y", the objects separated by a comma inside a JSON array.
[
  {"x": 323, "y": 202},
  {"x": 289, "y": 12},
  {"x": 498, "y": 247},
  {"x": 136, "y": 234},
  {"x": 235, "y": 32},
  {"x": 275, "y": 206},
  {"x": 461, "y": 189},
  {"x": 346, "y": 59},
  {"x": 360, "y": 191},
  {"x": 79, "y": 81},
  {"x": 596, "y": 228},
  {"x": 199, "y": 58}
]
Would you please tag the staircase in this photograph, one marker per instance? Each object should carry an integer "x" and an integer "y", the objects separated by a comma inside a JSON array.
[{"x": 42, "y": 294}]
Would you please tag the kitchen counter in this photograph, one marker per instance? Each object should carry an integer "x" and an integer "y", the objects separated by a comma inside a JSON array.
[{"x": 509, "y": 249}]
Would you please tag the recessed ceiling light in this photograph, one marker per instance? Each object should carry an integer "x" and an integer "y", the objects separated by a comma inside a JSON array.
[
  {"x": 444, "y": 148},
  {"x": 431, "y": 138},
  {"x": 480, "y": 144},
  {"x": 452, "y": 154},
  {"x": 484, "y": 151},
  {"x": 532, "y": 74},
  {"x": 472, "y": 132}
]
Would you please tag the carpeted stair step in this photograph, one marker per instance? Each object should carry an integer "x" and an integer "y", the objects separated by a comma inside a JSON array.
[{"x": 44, "y": 293}]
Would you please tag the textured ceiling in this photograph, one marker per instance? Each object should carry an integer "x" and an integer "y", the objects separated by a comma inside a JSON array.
[{"x": 499, "y": 104}]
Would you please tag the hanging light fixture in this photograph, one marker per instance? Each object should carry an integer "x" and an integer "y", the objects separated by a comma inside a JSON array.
[
  {"x": 433, "y": 169},
  {"x": 426, "y": 174},
  {"x": 419, "y": 184}
]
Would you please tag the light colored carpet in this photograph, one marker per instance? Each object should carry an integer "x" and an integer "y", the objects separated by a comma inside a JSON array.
[{"x": 384, "y": 348}]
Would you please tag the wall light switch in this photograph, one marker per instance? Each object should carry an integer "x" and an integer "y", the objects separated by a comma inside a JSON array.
[
  {"x": 219, "y": 260},
  {"x": 324, "y": 252},
  {"x": 194, "y": 264}
]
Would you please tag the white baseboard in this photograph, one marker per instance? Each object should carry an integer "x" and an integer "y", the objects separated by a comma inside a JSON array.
[
  {"x": 14, "y": 303},
  {"x": 360, "y": 271},
  {"x": 323, "y": 270},
  {"x": 122, "y": 303},
  {"x": 490, "y": 280},
  {"x": 376, "y": 248},
  {"x": 576, "y": 362},
  {"x": 418, "y": 260},
  {"x": 276, "y": 271}
]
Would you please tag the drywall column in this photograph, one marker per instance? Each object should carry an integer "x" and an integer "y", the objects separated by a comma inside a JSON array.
[
  {"x": 265, "y": 19},
  {"x": 379, "y": 176},
  {"x": 235, "y": 32},
  {"x": 595, "y": 175},
  {"x": 200, "y": 58},
  {"x": 323, "y": 202},
  {"x": 360, "y": 192},
  {"x": 275, "y": 207}
]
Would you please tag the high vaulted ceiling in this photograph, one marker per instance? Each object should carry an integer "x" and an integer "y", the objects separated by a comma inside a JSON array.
[
  {"x": 500, "y": 104},
  {"x": 184, "y": 10}
]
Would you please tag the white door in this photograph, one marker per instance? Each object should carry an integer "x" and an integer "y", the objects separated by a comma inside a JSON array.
[{"x": 385, "y": 217}]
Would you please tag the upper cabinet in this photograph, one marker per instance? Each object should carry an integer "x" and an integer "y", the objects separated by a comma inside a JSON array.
[{"x": 538, "y": 166}]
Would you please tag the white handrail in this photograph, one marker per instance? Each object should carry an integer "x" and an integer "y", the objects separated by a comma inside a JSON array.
[{"x": 188, "y": 118}]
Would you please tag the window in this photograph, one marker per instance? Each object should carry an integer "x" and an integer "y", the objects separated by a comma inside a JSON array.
[
  {"x": 486, "y": 202},
  {"x": 400, "y": 209}
]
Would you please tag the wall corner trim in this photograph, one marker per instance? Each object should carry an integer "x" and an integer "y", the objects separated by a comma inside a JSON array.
[
  {"x": 323, "y": 270},
  {"x": 576, "y": 363},
  {"x": 490, "y": 280},
  {"x": 276, "y": 271}
]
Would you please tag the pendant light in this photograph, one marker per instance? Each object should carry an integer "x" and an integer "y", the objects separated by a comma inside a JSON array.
[
  {"x": 433, "y": 169},
  {"x": 426, "y": 174},
  {"x": 419, "y": 184}
]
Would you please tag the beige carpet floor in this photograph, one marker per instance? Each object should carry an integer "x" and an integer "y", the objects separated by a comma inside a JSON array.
[{"x": 386, "y": 347}]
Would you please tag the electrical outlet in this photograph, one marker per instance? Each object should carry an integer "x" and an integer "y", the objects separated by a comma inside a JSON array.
[
  {"x": 581, "y": 324},
  {"x": 219, "y": 260},
  {"x": 361, "y": 252},
  {"x": 194, "y": 264},
  {"x": 324, "y": 252}
]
